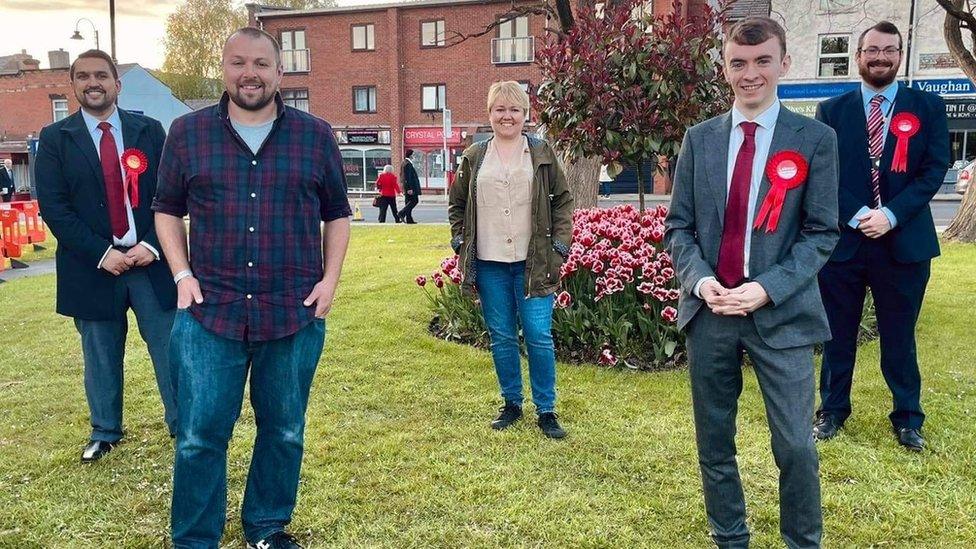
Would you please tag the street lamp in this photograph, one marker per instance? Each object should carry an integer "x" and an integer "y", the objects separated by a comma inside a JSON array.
[{"x": 77, "y": 35}]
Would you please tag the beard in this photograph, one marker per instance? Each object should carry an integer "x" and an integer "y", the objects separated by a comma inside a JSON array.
[
  {"x": 878, "y": 80},
  {"x": 101, "y": 104},
  {"x": 252, "y": 103}
]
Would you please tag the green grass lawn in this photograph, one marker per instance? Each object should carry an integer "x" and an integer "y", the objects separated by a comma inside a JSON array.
[{"x": 399, "y": 453}]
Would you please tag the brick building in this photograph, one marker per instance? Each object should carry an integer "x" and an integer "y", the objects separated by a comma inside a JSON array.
[
  {"x": 381, "y": 73},
  {"x": 31, "y": 98}
]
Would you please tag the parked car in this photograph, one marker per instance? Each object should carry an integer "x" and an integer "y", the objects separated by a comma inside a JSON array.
[{"x": 965, "y": 176}]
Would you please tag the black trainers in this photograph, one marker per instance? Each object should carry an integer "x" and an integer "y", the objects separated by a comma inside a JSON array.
[
  {"x": 548, "y": 422},
  {"x": 508, "y": 414},
  {"x": 278, "y": 540}
]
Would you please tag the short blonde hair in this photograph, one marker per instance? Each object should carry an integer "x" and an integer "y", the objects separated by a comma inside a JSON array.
[{"x": 510, "y": 90}]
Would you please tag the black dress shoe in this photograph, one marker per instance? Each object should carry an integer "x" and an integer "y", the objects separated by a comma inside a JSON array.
[
  {"x": 508, "y": 414},
  {"x": 825, "y": 427},
  {"x": 95, "y": 450},
  {"x": 911, "y": 439},
  {"x": 550, "y": 425}
]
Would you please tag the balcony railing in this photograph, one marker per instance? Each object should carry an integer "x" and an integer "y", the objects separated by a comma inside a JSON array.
[
  {"x": 294, "y": 60},
  {"x": 520, "y": 49}
]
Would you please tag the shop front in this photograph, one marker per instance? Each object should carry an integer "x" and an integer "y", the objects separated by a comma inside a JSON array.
[
  {"x": 428, "y": 156},
  {"x": 364, "y": 153}
]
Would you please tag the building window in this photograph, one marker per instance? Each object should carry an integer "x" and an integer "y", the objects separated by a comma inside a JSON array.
[
  {"x": 434, "y": 97},
  {"x": 296, "y": 98},
  {"x": 60, "y": 108},
  {"x": 364, "y": 99},
  {"x": 527, "y": 88},
  {"x": 514, "y": 44},
  {"x": 294, "y": 53},
  {"x": 835, "y": 56},
  {"x": 362, "y": 38},
  {"x": 432, "y": 34}
]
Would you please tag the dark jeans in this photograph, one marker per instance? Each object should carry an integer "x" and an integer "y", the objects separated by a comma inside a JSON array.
[
  {"x": 898, "y": 290},
  {"x": 210, "y": 374},
  {"x": 501, "y": 288},
  {"x": 715, "y": 347},
  {"x": 103, "y": 346},
  {"x": 406, "y": 213},
  {"x": 388, "y": 202}
]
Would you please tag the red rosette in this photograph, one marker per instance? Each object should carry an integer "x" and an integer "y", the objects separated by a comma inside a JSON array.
[
  {"x": 904, "y": 125},
  {"x": 135, "y": 162},
  {"x": 786, "y": 170}
]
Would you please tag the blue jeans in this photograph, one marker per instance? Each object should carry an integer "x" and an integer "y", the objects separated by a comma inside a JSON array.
[
  {"x": 210, "y": 372},
  {"x": 103, "y": 346},
  {"x": 501, "y": 288}
]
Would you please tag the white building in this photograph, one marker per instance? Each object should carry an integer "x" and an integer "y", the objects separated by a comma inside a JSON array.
[{"x": 821, "y": 36}]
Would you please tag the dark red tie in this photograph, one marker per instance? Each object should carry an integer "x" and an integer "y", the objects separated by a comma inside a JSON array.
[
  {"x": 112, "y": 171},
  {"x": 731, "y": 254}
]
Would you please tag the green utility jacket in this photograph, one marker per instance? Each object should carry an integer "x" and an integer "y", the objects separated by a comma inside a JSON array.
[{"x": 552, "y": 218}]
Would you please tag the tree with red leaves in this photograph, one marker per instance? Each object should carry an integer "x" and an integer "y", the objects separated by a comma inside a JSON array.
[{"x": 625, "y": 87}]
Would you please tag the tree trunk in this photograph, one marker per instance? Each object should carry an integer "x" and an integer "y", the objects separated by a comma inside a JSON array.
[
  {"x": 963, "y": 227},
  {"x": 583, "y": 178},
  {"x": 640, "y": 184}
]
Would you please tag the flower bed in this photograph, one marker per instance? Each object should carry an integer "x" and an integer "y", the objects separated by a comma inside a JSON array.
[{"x": 618, "y": 297}]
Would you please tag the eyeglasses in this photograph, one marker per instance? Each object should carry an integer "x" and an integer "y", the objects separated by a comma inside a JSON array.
[{"x": 873, "y": 51}]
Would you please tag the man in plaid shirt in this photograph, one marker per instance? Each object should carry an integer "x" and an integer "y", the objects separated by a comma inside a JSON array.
[{"x": 256, "y": 178}]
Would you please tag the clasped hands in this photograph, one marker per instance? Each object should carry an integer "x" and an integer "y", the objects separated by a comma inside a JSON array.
[
  {"x": 118, "y": 262},
  {"x": 738, "y": 301},
  {"x": 873, "y": 223}
]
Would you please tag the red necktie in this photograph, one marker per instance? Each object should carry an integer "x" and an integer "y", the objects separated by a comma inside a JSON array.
[
  {"x": 731, "y": 254},
  {"x": 112, "y": 171},
  {"x": 875, "y": 145}
]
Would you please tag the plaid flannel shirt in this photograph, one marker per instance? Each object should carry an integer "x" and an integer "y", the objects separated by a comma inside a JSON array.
[{"x": 255, "y": 232}]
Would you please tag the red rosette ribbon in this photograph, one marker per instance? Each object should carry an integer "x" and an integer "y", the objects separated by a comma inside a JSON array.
[
  {"x": 135, "y": 162},
  {"x": 786, "y": 170},
  {"x": 904, "y": 125}
]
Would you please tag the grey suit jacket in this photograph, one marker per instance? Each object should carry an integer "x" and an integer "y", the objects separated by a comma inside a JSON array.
[{"x": 784, "y": 262}]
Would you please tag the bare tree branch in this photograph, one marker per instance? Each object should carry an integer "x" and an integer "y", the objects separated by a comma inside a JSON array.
[
  {"x": 454, "y": 38},
  {"x": 954, "y": 8}
]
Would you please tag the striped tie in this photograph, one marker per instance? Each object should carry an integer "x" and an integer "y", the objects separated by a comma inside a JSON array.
[{"x": 875, "y": 146}]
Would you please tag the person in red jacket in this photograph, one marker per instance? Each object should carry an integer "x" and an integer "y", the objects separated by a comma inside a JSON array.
[{"x": 388, "y": 187}]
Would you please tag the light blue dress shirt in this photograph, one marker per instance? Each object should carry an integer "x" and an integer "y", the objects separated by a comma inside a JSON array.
[{"x": 887, "y": 107}]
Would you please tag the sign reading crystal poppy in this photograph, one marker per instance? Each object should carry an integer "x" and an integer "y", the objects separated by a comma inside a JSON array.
[
  {"x": 429, "y": 136},
  {"x": 135, "y": 162},
  {"x": 786, "y": 170},
  {"x": 904, "y": 125}
]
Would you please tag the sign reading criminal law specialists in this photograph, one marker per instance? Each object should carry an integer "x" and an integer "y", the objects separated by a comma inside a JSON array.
[{"x": 433, "y": 136}]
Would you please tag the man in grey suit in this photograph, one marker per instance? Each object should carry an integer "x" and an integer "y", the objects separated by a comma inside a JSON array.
[{"x": 747, "y": 263}]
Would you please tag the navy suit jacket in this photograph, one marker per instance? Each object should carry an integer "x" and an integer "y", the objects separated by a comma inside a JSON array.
[
  {"x": 71, "y": 193},
  {"x": 906, "y": 194}
]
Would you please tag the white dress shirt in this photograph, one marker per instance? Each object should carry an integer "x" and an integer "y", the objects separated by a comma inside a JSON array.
[
  {"x": 128, "y": 239},
  {"x": 764, "y": 137}
]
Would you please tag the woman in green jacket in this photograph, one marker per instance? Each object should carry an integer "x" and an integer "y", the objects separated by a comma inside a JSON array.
[{"x": 511, "y": 217}]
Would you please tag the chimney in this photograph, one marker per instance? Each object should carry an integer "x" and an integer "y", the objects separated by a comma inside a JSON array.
[{"x": 59, "y": 59}]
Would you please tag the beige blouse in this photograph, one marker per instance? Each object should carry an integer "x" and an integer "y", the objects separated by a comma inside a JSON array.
[{"x": 504, "y": 205}]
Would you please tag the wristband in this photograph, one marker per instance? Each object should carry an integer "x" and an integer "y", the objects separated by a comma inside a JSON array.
[{"x": 185, "y": 273}]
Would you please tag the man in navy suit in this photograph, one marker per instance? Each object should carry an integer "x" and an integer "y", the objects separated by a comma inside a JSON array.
[
  {"x": 108, "y": 257},
  {"x": 887, "y": 234}
]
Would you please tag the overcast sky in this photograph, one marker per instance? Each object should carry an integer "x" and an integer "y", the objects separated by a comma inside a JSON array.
[{"x": 43, "y": 25}]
